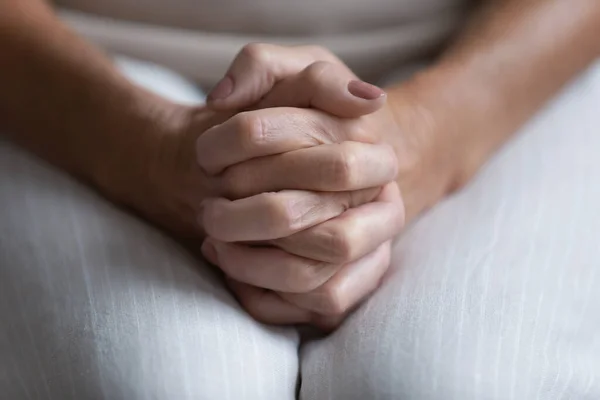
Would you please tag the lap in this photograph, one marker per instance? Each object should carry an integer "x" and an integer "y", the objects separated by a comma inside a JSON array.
[{"x": 493, "y": 294}]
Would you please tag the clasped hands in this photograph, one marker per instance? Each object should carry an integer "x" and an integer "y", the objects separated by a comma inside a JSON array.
[{"x": 307, "y": 201}]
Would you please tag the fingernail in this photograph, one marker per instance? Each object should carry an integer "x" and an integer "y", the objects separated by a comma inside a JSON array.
[
  {"x": 365, "y": 90},
  {"x": 222, "y": 90},
  {"x": 209, "y": 252}
]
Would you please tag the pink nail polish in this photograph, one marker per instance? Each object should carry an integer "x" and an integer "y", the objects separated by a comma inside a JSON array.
[
  {"x": 364, "y": 90},
  {"x": 222, "y": 90}
]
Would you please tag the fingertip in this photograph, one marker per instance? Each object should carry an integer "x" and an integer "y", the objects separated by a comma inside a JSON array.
[
  {"x": 392, "y": 159},
  {"x": 386, "y": 248},
  {"x": 204, "y": 154},
  {"x": 209, "y": 251},
  {"x": 384, "y": 156},
  {"x": 237, "y": 287},
  {"x": 267, "y": 306},
  {"x": 214, "y": 221},
  {"x": 239, "y": 91},
  {"x": 369, "y": 98},
  {"x": 221, "y": 91},
  {"x": 365, "y": 91},
  {"x": 204, "y": 213},
  {"x": 348, "y": 99},
  {"x": 392, "y": 195},
  {"x": 326, "y": 323},
  {"x": 390, "y": 192}
]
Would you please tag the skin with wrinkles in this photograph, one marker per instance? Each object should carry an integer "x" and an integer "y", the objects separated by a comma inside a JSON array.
[{"x": 187, "y": 169}]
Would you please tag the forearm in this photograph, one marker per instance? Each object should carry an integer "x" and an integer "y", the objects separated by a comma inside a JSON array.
[
  {"x": 64, "y": 100},
  {"x": 511, "y": 59}
]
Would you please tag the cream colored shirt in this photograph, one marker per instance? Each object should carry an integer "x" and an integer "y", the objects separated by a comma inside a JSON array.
[{"x": 199, "y": 38}]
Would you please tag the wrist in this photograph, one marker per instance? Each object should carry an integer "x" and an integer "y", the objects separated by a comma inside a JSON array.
[
  {"x": 449, "y": 113},
  {"x": 147, "y": 162},
  {"x": 130, "y": 140},
  {"x": 425, "y": 170},
  {"x": 444, "y": 133},
  {"x": 155, "y": 171}
]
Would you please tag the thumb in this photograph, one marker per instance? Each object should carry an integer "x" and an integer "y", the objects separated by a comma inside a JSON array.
[
  {"x": 257, "y": 68},
  {"x": 327, "y": 87}
]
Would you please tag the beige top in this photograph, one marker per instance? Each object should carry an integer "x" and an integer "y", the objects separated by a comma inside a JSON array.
[{"x": 200, "y": 37}]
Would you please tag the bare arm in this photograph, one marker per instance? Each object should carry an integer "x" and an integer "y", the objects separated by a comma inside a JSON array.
[
  {"x": 63, "y": 99},
  {"x": 511, "y": 59}
]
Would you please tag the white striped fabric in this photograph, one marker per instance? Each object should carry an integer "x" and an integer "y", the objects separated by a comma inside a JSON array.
[{"x": 494, "y": 293}]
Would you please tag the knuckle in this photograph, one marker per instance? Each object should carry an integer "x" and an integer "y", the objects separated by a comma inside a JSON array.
[
  {"x": 281, "y": 211},
  {"x": 332, "y": 300},
  {"x": 250, "y": 130},
  {"x": 343, "y": 167},
  {"x": 308, "y": 276},
  {"x": 341, "y": 244},
  {"x": 255, "y": 52},
  {"x": 320, "y": 52},
  {"x": 314, "y": 73}
]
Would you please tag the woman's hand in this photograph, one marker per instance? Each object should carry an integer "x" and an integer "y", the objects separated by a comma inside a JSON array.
[
  {"x": 320, "y": 205},
  {"x": 322, "y": 210},
  {"x": 191, "y": 154},
  {"x": 328, "y": 222},
  {"x": 323, "y": 271},
  {"x": 317, "y": 275},
  {"x": 430, "y": 151}
]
